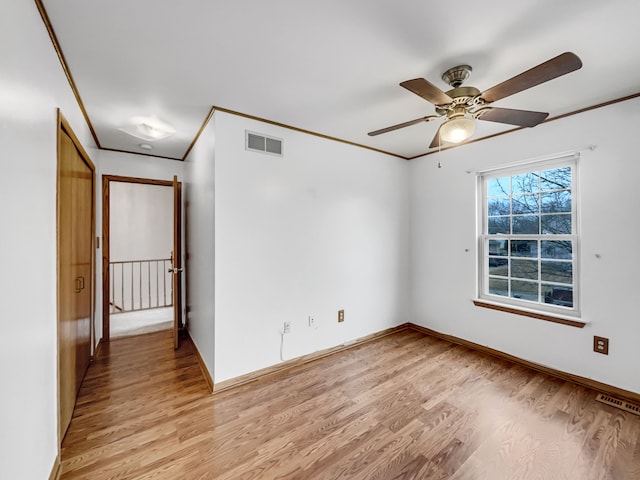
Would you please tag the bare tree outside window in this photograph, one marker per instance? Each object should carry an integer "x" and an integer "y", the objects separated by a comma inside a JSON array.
[{"x": 528, "y": 236}]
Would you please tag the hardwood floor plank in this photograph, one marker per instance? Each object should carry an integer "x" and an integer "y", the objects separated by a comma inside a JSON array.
[
  {"x": 626, "y": 462},
  {"x": 405, "y": 406}
]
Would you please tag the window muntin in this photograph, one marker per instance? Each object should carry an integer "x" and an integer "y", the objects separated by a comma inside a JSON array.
[{"x": 528, "y": 237}]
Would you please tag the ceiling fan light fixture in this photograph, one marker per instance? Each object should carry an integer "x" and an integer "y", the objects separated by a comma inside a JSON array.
[
  {"x": 148, "y": 128},
  {"x": 457, "y": 129}
]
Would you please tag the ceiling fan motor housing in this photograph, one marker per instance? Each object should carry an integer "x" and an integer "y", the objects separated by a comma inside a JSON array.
[
  {"x": 464, "y": 97},
  {"x": 456, "y": 76}
]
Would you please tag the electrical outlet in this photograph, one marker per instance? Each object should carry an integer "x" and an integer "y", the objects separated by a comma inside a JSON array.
[
  {"x": 312, "y": 321},
  {"x": 287, "y": 327},
  {"x": 601, "y": 345},
  {"x": 340, "y": 315}
]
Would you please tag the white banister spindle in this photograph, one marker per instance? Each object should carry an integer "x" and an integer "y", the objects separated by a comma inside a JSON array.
[{"x": 136, "y": 289}]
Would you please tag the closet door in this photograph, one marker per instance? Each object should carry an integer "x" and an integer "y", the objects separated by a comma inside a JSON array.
[{"x": 75, "y": 273}]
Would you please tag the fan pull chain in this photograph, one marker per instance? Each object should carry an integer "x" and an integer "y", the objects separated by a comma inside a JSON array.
[{"x": 439, "y": 148}]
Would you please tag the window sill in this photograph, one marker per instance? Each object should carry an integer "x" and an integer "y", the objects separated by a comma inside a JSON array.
[{"x": 530, "y": 313}]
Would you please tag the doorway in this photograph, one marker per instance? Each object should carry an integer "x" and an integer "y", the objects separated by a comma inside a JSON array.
[{"x": 141, "y": 256}]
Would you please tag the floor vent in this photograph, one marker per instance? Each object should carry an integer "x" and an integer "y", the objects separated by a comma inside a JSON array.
[
  {"x": 616, "y": 402},
  {"x": 257, "y": 142}
]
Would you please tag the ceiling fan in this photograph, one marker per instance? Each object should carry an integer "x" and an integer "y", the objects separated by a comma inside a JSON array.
[{"x": 462, "y": 105}]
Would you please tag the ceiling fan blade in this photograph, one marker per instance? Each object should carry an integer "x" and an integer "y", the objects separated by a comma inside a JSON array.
[
  {"x": 428, "y": 91},
  {"x": 436, "y": 139},
  {"x": 556, "y": 67},
  {"x": 522, "y": 118},
  {"x": 402, "y": 125}
]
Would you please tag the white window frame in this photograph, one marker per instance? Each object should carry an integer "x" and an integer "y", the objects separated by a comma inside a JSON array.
[{"x": 484, "y": 237}]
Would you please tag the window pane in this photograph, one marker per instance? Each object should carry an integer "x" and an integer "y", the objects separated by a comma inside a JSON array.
[
  {"x": 528, "y": 248},
  {"x": 498, "y": 286},
  {"x": 499, "y": 186},
  {"x": 562, "y": 250},
  {"x": 555, "y": 224},
  {"x": 525, "y": 225},
  {"x": 499, "y": 225},
  {"x": 499, "y": 267},
  {"x": 524, "y": 248},
  {"x": 525, "y": 204},
  {"x": 499, "y": 206},
  {"x": 498, "y": 247},
  {"x": 556, "y": 201},
  {"x": 560, "y": 272},
  {"x": 524, "y": 269},
  {"x": 525, "y": 183},
  {"x": 555, "y": 179},
  {"x": 555, "y": 295},
  {"x": 524, "y": 290}
]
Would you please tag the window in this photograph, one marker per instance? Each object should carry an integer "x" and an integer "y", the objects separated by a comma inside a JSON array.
[{"x": 528, "y": 251}]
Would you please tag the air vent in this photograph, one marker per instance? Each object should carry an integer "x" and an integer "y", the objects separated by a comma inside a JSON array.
[
  {"x": 261, "y": 143},
  {"x": 616, "y": 402}
]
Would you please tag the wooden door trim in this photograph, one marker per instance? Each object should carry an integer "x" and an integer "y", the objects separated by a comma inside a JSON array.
[
  {"x": 106, "y": 291},
  {"x": 63, "y": 127},
  {"x": 146, "y": 181},
  {"x": 105, "y": 259},
  {"x": 177, "y": 277}
]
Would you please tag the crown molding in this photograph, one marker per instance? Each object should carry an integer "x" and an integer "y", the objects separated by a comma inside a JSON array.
[
  {"x": 309, "y": 132},
  {"x": 65, "y": 68}
]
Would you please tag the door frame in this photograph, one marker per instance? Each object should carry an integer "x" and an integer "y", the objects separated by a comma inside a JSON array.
[
  {"x": 64, "y": 128},
  {"x": 106, "y": 284}
]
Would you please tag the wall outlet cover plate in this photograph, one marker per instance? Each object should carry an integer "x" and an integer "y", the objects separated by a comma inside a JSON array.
[{"x": 601, "y": 345}]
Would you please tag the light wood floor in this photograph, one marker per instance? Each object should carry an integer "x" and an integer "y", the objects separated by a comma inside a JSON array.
[{"x": 406, "y": 406}]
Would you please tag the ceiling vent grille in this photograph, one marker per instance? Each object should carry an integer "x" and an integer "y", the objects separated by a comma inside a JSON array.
[{"x": 257, "y": 142}]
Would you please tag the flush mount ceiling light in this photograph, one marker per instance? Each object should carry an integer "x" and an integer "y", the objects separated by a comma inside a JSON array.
[{"x": 148, "y": 128}]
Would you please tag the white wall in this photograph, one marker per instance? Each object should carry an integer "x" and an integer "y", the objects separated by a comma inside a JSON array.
[
  {"x": 141, "y": 166},
  {"x": 323, "y": 228},
  {"x": 443, "y": 225},
  {"x": 199, "y": 231},
  {"x": 141, "y": 218},
  {"x": 32, "y": 87}
]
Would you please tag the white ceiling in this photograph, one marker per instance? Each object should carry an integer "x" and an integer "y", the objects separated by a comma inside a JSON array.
[{"x": 332, "y": 66}]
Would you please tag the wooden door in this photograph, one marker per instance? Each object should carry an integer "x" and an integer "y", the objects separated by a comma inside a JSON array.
[
  {"x": 75, "y": 271},
  {"x": 177, "y": 261}
]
